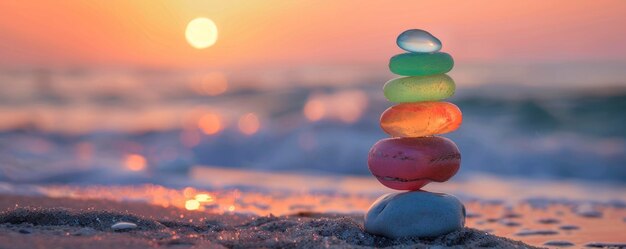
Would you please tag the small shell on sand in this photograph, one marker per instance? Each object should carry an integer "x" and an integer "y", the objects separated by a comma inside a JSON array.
[
  {"x": 529, "y": 232},
  {"x": 559, "y": 243},
  {"x": 123, "y": 226}
]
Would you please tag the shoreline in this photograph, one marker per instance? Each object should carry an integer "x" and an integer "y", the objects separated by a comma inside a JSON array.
[{"x": 44, "y": 222}]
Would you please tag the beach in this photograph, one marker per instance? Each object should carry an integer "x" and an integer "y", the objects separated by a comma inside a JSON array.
[
  {"x": 299, "y": 124},
  {"x": 44, "y": 222},
  {"x": 292, "y": 210}
]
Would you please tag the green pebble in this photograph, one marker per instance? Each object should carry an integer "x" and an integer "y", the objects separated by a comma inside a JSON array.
[
  {"x": 419, "y": 64},
  {"x": 419, "y": 88}
]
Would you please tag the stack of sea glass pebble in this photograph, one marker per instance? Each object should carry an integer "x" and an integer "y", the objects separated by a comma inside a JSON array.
[{"x": 414, "y": 156}]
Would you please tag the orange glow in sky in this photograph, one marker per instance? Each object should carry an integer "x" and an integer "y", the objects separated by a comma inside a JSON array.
[{"x": 300, "y": 33}]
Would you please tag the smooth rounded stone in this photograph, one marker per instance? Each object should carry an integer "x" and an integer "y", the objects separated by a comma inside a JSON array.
[
  {"x": 417, "y": 40},
  {"x": 120, "y": 226},
  {"x": 419, "y": 88},
  {"x": 558, "y": 243},
  {"x": 421, "y": 119},
  {"x": 415, "y": 214},
  {"x": 411, "y": 163},
  {"x": 420, "y": 64}
]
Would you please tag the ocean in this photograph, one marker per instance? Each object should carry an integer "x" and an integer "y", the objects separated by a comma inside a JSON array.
[{"x": 85, "y": 127}]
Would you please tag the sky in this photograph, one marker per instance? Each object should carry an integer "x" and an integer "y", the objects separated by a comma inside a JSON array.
[{"x": 268, "y": 33}]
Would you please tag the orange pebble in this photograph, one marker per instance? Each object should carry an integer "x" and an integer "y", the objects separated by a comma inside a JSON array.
[{"x": 421, "y": 119}]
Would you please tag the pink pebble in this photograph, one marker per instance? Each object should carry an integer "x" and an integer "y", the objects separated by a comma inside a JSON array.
[{"x": 411, "y": 163}]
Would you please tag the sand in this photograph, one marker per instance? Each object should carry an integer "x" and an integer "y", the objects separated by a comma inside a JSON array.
[{"x": 44, "y": 222}]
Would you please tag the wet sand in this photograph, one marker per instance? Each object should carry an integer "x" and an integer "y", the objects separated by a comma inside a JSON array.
[{"x": 44, "y": 222}]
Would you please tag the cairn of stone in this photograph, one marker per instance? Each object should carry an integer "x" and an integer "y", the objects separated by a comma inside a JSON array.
[{"x": 414, "y": 156}]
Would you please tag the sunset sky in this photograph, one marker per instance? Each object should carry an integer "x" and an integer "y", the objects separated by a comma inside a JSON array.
[{"x": 299, "y": 33}]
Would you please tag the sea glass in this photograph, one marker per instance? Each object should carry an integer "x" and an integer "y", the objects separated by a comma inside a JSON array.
[
  {"x": 411, "y": 163},
  {"x": 419, "y": 64},
  {"x": 421, "y": 119},
  {"x": 417, "y": 40},
  {"x": 419, "y": 88}
]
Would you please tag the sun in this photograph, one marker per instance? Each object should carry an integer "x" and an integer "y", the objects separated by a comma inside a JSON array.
[{"x": 201, "y": 33}]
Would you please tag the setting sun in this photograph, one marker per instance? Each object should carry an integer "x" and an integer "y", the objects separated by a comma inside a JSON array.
[{"x": 201, "y": 33}]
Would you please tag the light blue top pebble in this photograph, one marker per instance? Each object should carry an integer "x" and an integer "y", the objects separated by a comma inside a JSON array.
[{"x": 418, "y": 41}]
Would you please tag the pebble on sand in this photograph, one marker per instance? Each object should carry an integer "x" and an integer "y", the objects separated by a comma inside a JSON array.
[
  {"x": 121, "y": 226},
  {"x": 511, "y": 215},
  {"x": 472, "y": 215},
  {"x": 510, "y": 223},
  {"x": 415, "y": 214},
  {"x": 530, "y": 232},
  {"x": 548, "y": 221},
  {"x": 588, "y": 211},
  {"x": 558, "y": 243},
  {"x": 606, "y": 245},
  {"x": 569, "y": 227}
]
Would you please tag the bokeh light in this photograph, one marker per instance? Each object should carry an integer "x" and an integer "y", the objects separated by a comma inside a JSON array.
[
  {"x": 192, "y": 205},
  {"x": 249, "y": 124},
  {"x": 210, "y": 123},
  {"x": 135, "y": 162},
  {"x": 314, "y": 110},
  {"x": 204, "y": 198}
]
